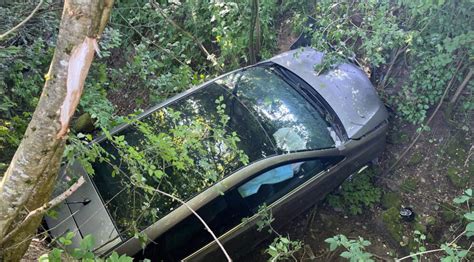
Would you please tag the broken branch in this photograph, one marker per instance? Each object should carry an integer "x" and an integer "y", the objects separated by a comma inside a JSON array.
[
  {"x": 2, "y": 36},
  {"x": 44, "y": 208},
  {"x": 461, "y": 87}
]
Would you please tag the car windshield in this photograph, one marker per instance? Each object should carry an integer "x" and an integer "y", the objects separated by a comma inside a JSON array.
[
  {"x": 293, "y": 123},
  {"x": 199, "y": 139}
]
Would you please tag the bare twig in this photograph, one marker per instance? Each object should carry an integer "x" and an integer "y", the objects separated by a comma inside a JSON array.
[
  {"x": 461, "y": 87},
  {"x": 153, "y": 42},
  {"x": 198, "y": 216},
  {"x": 427, "y": 122},
  {"x": 389, "y": 70},
  {"x": 2, "y": 36},
  {"x": 469, "y": 156},
  {"x": 433, "y": 250},
  {"x": 44, "y": 208}
]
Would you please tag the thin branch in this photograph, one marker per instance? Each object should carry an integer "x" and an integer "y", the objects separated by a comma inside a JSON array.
[
  {"x": 433, "y": 250},
  {"x": 461, "y": 87},
  {"x": 153, "y": 42},
  {"x": 392, "y": 63},
  {"x": 2, "y": 36},
  {"x": 209, "y": 56},
  {"x": 44, "y": 208},
  {"x": 198, "y": 216},
  {"x": 427, "y": 122},
  {"x": 419, "y": 254}
]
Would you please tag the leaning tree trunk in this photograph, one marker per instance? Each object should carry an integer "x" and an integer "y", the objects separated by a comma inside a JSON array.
[{"x": 29, "y": 180}]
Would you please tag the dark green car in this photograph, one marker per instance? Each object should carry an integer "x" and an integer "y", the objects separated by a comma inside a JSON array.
[{"x": 274, "y": 134}]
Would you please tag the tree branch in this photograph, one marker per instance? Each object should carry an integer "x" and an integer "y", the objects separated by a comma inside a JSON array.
[
  {"x": 198, "y": 216},
  {"x": 44, "y": 208},
  {"x": 2, "y": 36},
  {"x": 461, "y": 87}
]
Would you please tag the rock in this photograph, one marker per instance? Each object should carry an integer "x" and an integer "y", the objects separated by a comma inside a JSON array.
[{"x": 84, "y": 124}]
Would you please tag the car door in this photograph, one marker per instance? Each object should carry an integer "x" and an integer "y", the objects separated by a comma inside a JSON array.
[{"x": 278, "y": 188}]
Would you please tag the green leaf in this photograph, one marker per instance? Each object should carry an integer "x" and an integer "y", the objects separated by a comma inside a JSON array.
[
  {"x": 469, "y": 216},
  {"x": 462, "y": 253},
  {"x": 70, "y": 235},
  {"x": 346, "y": 254},
  {"x": 87, "y": 243},
  {"x": 470, "y": 227},
  {"x": 469, "y": 192},
  {"x": 461, "y": 199}
]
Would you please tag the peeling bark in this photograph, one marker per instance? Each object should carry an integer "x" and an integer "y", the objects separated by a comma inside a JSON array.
[
  {"x": 78, "y": 67},
  {"x": 29, "y": 180}
]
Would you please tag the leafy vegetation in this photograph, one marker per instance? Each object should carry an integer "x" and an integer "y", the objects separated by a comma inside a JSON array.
[
  {"x": 153, "y": 50},
  {"x": 430, "y": 36},
  {"x": 83, "y": 253},
  {"x": 355, "y": 249},
  {"x": 357, "y": 193},
  {"x": 282, "y": 248}
]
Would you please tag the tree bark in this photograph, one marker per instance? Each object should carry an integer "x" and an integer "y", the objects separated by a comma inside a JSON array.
[
  {"x": 30, "y": 178},
  {"x": 253, "y": 25}
]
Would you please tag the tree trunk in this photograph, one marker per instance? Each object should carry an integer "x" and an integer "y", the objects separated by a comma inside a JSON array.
[
  {"x": 29, "y": 180},
  {"x": 253, "y": 24}
]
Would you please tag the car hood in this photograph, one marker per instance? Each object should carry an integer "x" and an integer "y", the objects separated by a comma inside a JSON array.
[{"x": 346, "y": 89}]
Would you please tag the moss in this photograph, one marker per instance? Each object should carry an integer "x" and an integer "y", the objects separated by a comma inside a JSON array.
[
  {"x": 420, "y": 227},
  {"x": 409, "y": 185},
  {"x": 456, "y": 178},
  {"x": 397, "y": 137},
  {"x": 391, "y": 199},
  {"x": 84, "y": 124},
  {"x": 448, "y": 214},
  {"x": 391, "y": 220},
  {"x": 415, "y": 159},
  {"x": 430, "y": 221},
  {"x": 456, "y": 148}
]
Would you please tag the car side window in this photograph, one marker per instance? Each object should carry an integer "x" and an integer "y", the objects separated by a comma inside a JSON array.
[
  {"x": 273, "y": 184},
  {"x": 227, "y": 211}
]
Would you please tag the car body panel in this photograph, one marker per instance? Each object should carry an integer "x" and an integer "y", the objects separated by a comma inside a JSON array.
[
  {"x": 91, "y": 217},
  {"x": 345, "y": 88}
]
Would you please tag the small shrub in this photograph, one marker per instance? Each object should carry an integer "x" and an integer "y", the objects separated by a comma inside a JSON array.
[{"x": 356, "y": 193}]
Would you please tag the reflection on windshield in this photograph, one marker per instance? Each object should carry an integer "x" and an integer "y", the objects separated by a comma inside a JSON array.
[
  {"x": 293, "y": 122},
  {"x": 182, "y": 149}
]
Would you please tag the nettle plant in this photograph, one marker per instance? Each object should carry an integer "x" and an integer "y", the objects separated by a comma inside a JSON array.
[
  {"x": 282, "y": 247},
  {"x": 354, "y": 249},
  {"x": 82, "y": 253}
]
